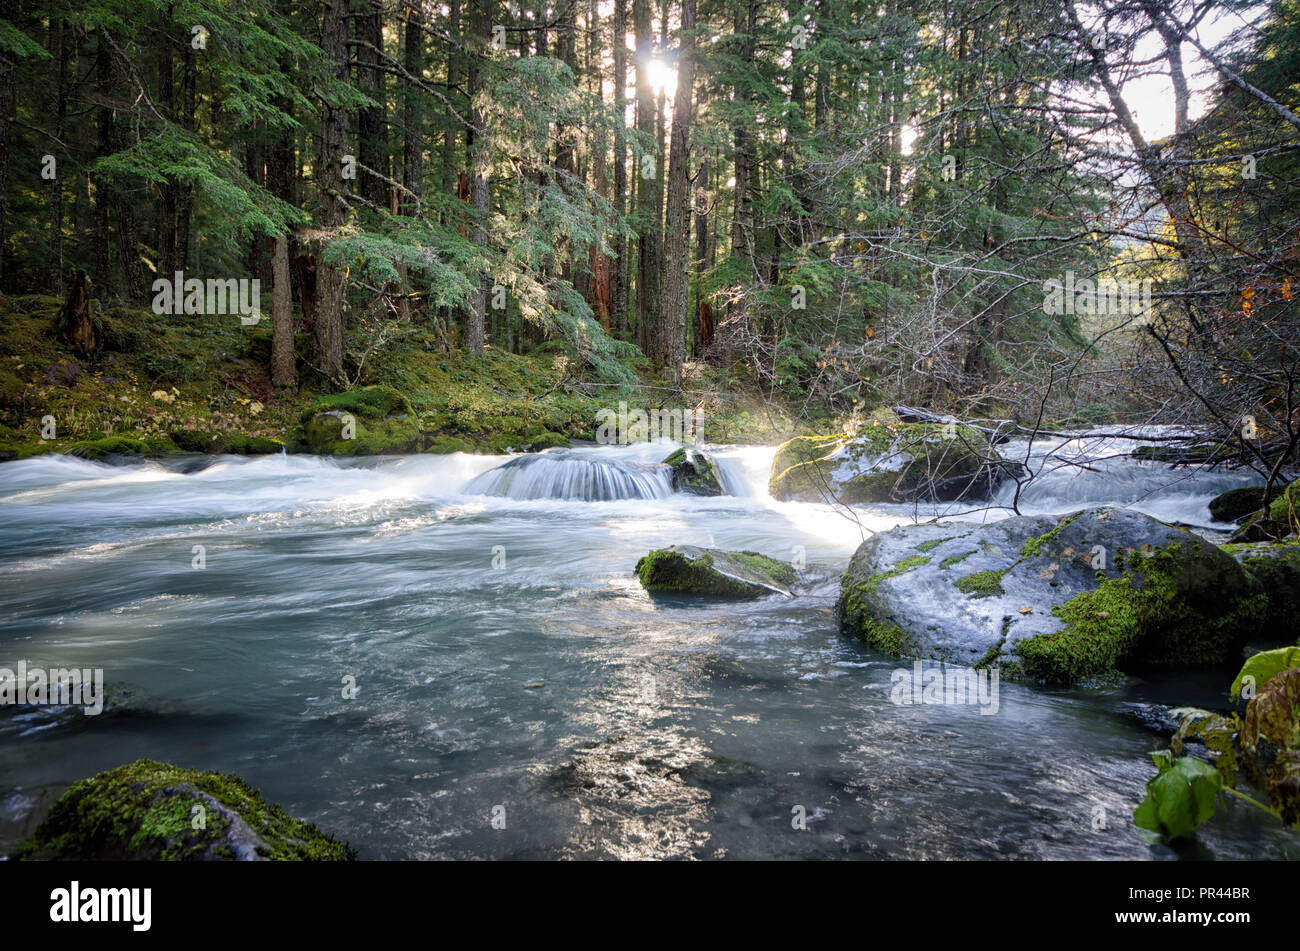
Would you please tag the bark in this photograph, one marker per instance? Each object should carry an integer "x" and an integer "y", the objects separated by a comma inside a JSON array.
[
  {"x": 480, "y": 178},
  {"x": 677, "y": 231},
  {"x": 8, "y": 72},
  {"x": 282, "y": 365},
  {"x": 619, "y": 276},
  {"x": 371, "y": 121},
  {"x": 647, "y": 190},
  {"x": 59, "y": 48},
  {"x": 331, "y": 279}
]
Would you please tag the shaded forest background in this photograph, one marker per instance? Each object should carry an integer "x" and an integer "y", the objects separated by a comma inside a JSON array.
[{"x": 836, "y": 205}]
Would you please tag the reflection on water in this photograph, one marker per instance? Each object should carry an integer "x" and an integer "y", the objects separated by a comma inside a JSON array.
[{"x": 517, "y": 693}]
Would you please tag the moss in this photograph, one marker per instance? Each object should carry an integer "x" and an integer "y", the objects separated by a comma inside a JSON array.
[
  {"x": 1276, "y": 566},
  {"x": 801, "y": 449},
  {"x": 100, "y": 449},
  {"x": 762, "y": 564},
  {"x": 1174, "y": 608},
  {"x": 885, "y": 637},
  {"x": 548, "y": 440},
  {"x": 982, "y": 584},
  {"x": 859, "y": 617},
  {"x": 192, "y": 440},
  {"x": 913, "y": 561},
  {"x": 1034, "y": 546},
  {"x": 671, "y": 571},
  {"x": 1235, "y": 504},
  {"x": 955, "y": 559},
  {"x": 931, "y": 545},
  {"x": 448, "y": 444},
  {"x": 367, "y": 402},
  {"x": 145, "y": 810},
  {"x": 1286, "y": 507}
]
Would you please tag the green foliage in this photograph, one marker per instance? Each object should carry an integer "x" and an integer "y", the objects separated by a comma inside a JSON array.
[
  {"x": 1179, "y": 797},
  {"x": 1262, "y": 667}
]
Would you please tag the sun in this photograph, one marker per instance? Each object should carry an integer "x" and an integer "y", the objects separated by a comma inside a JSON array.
[{"x": 662, "y": 76}]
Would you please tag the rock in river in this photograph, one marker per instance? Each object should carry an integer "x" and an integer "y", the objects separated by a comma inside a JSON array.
[
  {"x": 889, "y": 461},
  {"x": 712, "y": 571},
  {"x": 1059, "y": 599},
  {"x": 148, "y": 810},
  {"x": 694, "y": 472}
]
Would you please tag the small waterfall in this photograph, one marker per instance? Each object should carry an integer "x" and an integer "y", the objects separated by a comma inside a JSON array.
[
  {"x": 744, "y": 472},
  {"x": 1092, "y": 470},
  {"x": 572, "y": 477}
]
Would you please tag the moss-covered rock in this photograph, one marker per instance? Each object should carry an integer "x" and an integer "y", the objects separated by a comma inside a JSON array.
[
  {"x": 1063, "y": 600},
  {"x": 889, "y": 461},
  {"x": 370, "y": 421},
  {"x": 193, "y": 440},
  {"x": 1276, "y": 566},
  {"x": 101, "y": 449},
  {"x": 1286, "y": 507},
  {"x": 157, "y": 811},
  {"x": 694, "y": 472},
  {"x": 1235, "y": 504},
  {"x": 712, "y": 571}
]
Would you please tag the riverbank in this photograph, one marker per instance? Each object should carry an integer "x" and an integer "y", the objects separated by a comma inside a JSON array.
[{"x": 164, "y": 385}]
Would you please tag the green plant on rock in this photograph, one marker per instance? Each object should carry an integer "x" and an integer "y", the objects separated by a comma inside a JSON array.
[{"x": 1265, "y": 747}]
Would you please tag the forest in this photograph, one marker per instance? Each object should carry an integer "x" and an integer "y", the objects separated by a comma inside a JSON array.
[
  {"x": 524, "y": 384},
  {"x": 827, "y": 206}
]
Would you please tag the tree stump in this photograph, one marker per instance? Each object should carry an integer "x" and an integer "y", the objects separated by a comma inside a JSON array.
[{"x": 77, "y": 326}]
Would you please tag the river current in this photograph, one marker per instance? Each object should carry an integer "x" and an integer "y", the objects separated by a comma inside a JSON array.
[{"x": 428, "y": 671}]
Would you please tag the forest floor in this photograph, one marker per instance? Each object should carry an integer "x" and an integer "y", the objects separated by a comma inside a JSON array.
[{"x": 165, "y": 384}]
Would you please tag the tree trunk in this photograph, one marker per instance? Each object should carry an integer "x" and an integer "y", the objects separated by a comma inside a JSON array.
[
  {"x": 331, "y": 279},
  {"x": 480, "y": 174},
  {"x": 619, "y": 277},
  {"x": 647, "y": 187},
  {"x": 58, "y": 111},
  {"x": 677, "y": 230},
  {"x": 282, "y": 365},
  {"x": 372, "y": 148}
]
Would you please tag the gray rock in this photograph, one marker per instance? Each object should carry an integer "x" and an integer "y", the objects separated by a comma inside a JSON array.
[{"x": 1059, "y": 599}]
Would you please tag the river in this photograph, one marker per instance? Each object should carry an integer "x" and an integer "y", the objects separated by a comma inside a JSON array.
[{"x": 517, "y": 693}]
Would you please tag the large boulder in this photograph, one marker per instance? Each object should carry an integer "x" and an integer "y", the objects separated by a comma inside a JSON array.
[
  {"x": 685, "y": 569},
  {"x": 694, "y": 472},
  {"x": 1235, "y": 504},
  {"x": 1063, "y": 600},
  {"x": 152, "y": 811},
  {"x": 1276, "y": 566},
  {"x": 889, "y": 461}
]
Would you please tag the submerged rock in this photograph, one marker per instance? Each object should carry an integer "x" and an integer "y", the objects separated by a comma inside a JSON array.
[
  {"x": 694, "y": 472},
  {"x": 888, "y": 461},
  {"x": 712, "y": 571},
  {"x": 1062, "y": 600},
  {"x": 151, "y": 811}
]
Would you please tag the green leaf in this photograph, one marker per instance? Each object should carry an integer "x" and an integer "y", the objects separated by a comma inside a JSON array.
[
  {"x": 1180, "y": 798},
  {"x": 1264, "y": 666}
]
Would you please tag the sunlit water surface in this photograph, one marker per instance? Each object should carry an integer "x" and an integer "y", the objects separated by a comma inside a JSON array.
[{"x": 504, "y": 655}]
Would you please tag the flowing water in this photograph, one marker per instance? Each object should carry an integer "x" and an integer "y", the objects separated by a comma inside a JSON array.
[{"x": 510, "y": 671}]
